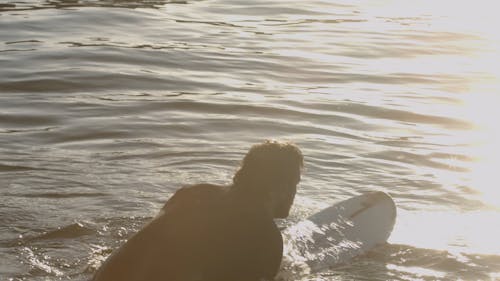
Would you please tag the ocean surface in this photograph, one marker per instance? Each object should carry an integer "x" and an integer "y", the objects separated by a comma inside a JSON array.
[{"x": 108, "y": 106}]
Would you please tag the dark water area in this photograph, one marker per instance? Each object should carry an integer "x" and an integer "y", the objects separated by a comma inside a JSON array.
[{"x": 108, "y": 107}]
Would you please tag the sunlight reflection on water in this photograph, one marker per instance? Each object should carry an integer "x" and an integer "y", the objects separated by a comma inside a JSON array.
[{"x": 465, "y": 232}]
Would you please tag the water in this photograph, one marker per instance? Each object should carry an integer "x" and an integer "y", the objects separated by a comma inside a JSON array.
[{"x": 107, "y": 107}]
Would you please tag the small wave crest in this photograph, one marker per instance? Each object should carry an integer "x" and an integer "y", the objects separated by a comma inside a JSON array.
[{"x": 70, "y": 231}]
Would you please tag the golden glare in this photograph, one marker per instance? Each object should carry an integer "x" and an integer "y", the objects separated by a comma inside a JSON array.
[{"x": 484, "y": 112}]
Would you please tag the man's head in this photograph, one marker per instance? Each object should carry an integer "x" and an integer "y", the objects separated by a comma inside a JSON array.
[{"x": 271, "y": 171}]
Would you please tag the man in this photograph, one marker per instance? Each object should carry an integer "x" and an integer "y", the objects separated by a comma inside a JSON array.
[{"x": 217, "y": 233}]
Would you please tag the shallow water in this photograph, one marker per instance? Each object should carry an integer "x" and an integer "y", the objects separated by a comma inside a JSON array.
[{"x": 107, "y": 107}]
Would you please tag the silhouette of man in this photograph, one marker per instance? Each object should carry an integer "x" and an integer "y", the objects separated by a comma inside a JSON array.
[{"x": 217, "y": 233}]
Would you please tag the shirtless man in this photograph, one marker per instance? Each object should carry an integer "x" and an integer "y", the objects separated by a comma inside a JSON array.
[{"x": 216, "y": 233}]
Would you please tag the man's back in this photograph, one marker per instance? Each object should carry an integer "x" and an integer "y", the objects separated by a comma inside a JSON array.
[{"x": 203, "y": 233}]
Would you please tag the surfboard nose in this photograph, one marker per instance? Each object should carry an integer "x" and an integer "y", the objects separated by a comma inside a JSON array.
[{"x": 379, "y": 196}]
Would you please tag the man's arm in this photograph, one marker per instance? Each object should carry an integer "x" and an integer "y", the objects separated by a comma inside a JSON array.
[{"x": 248, "y": 249}]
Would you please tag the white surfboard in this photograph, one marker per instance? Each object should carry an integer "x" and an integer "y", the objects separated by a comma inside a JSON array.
[{"x": 335, "y": 235}]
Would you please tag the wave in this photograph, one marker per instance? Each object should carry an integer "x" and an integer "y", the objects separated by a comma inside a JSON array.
[{"x": 70, "y": 231}]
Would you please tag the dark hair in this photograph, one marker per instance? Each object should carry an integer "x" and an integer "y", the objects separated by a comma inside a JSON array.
[{"x": 267, "y": 164}]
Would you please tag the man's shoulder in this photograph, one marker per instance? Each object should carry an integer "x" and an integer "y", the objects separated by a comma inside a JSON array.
[
  {"x": 197, "y": 194},
  {"x": 205, "y": 188},
  {"x": 203, "y": 191}
]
